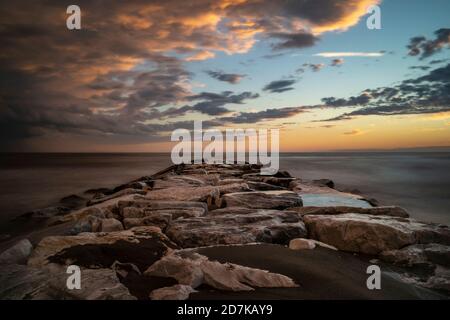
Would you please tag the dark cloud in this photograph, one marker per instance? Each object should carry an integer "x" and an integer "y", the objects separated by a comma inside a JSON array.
[
  {"x": 426, "y": 94},
  {"x": 269, "y": 114},
  {"x": 280, "y": 86},
  {"x": 362, "y": 99},
  {"x": 316, "y": 67},
  {"x": 232, "y": 78},
  {"x": 294, "y": 40},
  {"x": 423, "y": 68},
  {"x": 337, "y": 62},
  {"x": 424, "y": 48}
]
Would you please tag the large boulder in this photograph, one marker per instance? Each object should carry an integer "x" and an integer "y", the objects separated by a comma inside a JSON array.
[
  {"x": 269, "y": 226},
  {"x": 18, "y": 282},
  {"x": 193, "y": 269},
  {"x": 372, "y": 234},
  {"x": 141, "y": 246}
]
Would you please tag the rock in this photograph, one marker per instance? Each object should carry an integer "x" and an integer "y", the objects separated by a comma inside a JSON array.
[
  {"x": 301, "y": 244},
  {"x": 262, "y": 200},
  {"x": 18, "y": 253},
  {"x": 161, "y": 220},
  {"x": 376, "y": 211},
  {"x": 117, "y": 194},
  {"x": 269, "y": 226},
  {"x": 132, "y": 212},
  {"x": 372, "y": 234},
  {"x": 440, "y": 280},
  {"x": 193, "y": 269},
  {"x": 334, "y": 200},
  {"x": 232, "y": 188},
  {"x": 176, "y": 292},
  {"x": 418, "y": 254},
  {"x": 90, "y": 221},
  {"x": 262, "y": 186},
  {"x": 162, "y": 205},
  {"x": 209, "y": 195},
  {"x": 141, "y": 246},
  {"x": 46, "y": 212},
  {"x": 123, "y": 269},
  {"x": 110, "y": 225},
  {"x": 19, "y": 282}
]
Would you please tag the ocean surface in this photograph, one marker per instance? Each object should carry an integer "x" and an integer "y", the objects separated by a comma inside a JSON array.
[{"x": 417, "y": 181}]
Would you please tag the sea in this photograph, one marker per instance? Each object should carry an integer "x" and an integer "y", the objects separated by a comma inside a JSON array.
[{"x": 416, "y": 181}]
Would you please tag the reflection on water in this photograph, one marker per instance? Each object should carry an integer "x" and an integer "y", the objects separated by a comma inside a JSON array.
[{"x": 419, "y": 182}]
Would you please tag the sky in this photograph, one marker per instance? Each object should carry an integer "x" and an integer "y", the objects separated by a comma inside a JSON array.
[{"x": 137, "y": 70}]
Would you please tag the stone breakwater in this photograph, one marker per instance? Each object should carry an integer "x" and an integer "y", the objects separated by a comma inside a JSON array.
[{"x": 205, "y": 231}]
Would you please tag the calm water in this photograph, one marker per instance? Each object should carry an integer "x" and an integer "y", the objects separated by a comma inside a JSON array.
[{"x": 419, "y": 182}]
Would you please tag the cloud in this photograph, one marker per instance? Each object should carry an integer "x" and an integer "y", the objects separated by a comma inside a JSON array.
[
  {"x": 280, "y": 86},
  {"x": 355, "y": 132},
  {"x": 232, "y": 78},
  {"x": 423, "y": 68},
  {"x": 269, "y": 114},
  {"x": 427, "y": 94},
  {"x": 316, "y": 67},
  {"x": 337, "y": 62},
  {"x": 424, "y": 48},
  {"x": 294, "y": 40},
  {"x": 350, "y": 54},
  {"x": 128, "y": 63}
]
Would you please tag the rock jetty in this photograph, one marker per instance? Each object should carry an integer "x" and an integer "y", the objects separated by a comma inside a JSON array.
[{"x": 223, "y": 231}]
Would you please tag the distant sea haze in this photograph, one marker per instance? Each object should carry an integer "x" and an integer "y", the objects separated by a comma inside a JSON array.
[{"x": 417, "y": 181}]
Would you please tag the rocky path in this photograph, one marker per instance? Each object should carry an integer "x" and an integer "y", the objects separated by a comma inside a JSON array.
[{"x": 224, "y": 231}]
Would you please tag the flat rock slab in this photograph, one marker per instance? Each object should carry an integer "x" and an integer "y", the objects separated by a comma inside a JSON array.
[
  {"x": 332, "y": 200},
  {"x": 270, "y": 226},
  {"x": 320, "y": 273},
  {"x": 262, "y": 200}
]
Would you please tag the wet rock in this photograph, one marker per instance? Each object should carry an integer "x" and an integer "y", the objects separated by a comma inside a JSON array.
[
  {"x": 193, "y": 269},
  {"x": 46, "y": 212},
  {"x": 376, "y": 211},
  {"x": 19, "y": 282},
  {"x": 371, "y": 234},
  {"x": 18, "y": 253},
  {"x": 269, "y": 226},
  {"x": 176, "y": 292},
  {"x": 110, "y": 225},
  {"x": 262, "y": 200}
]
